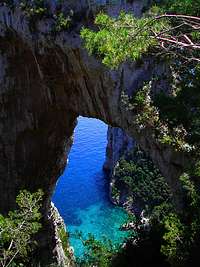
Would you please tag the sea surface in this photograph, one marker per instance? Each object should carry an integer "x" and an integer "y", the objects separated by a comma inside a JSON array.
[{"x": 81, "y": 194}]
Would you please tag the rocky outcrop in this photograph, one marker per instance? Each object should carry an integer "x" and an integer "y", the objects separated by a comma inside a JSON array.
[
  {"x": 119, "y": 144},
  {"x": 53, "y": 249},
  {"x": 46, "y": 81},
  {"x": 63, "y": 252}
]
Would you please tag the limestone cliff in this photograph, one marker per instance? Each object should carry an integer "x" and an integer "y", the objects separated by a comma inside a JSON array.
[
  {"x": 119, "y": 144},
  {"x": 142, "y": 175},
  {"x": 62, "y": 251},
  {"x": 47, "y": 80}
]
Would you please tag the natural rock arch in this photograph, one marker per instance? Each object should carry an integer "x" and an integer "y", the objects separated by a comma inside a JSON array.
[
  {"x": 41, "y": 96},
  {"x": 45, "y": 84}
]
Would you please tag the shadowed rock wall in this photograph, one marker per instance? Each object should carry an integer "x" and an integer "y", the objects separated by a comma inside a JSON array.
[{"x": 119, "y": 144}]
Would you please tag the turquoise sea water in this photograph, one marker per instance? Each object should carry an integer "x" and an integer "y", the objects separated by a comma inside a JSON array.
[{"x": 81, "y": 195}]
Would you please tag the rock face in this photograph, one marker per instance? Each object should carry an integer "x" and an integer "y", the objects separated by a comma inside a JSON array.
[
  {"x": 119, "y": 144},
  {"x": 64, "y": 255},
  {"x": 46, "y": 81}
]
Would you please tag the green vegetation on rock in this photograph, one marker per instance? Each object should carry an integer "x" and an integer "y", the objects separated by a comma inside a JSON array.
[
  {"x": 18, "y": 228},
  {"x": 98, "y": 253},
  {"x": 143, "y": 181},
  {"x": 119, "y": 39},
  {"x": 145, "y": 186},
  {"x": 189, "y": 7},
  {"x": 39, "y": 9},
  {"x": 62, "y": 22}
]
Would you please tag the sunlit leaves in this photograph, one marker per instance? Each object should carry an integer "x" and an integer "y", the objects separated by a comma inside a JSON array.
[
  {"x": 122, "y": 38},
  {"x": 17, "y": 229},
  {"x": 188, "y": 7}
]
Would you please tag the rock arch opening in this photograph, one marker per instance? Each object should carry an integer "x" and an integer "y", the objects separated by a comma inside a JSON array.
[{"x": 82, "y": 192}]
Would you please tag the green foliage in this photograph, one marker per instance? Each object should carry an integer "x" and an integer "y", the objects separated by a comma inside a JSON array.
[
  {"x": 64, "y": 237},
  {"x": 195, "y": 170},
  {"x": 115, "y": 194},
  {"x": 143, "y": 180},
  {"x": 17, "y": 229},
  {"x": 126, "y": 37},
  {"x": 122, "y": 38},
  {"x": 147, "y": 114},
  {"x": 39, "y": 9},
  {"x": 153, "y": 113},
  {"x": 141, "y": 97},
  {"x": 187, "y": 7},
  {"x": 182, "y": 108},
  {"x": 98, "y": 253},
  {"x": 62, "y": 22},
  {"x": 174, "y": 118},
  {"x": 160, "y": 212},
  {"x": 173, "y": 238},
  {"x": 178, "y": 233},
  {"x": 181, "y": 232},
  {"x": 33, "y": 9},
  {"x": 193, "y": 198}
]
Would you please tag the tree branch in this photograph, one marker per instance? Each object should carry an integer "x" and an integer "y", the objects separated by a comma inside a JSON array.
[
  {"x": 178, "y": 16},
  {"x": 180, "y": 44}
]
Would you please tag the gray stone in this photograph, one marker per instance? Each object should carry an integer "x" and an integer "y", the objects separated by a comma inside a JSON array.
[{"x": 119, "y": 144}]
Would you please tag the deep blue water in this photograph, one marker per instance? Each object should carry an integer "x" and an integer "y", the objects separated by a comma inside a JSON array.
[{"x": 81, "y": 195}]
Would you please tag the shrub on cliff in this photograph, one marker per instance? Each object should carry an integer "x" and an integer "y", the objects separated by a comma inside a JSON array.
[
  {"x": 177, "y": 234},
  {"x": 101, "y": 253},
  {"x": 142, "y": 180},
  {"x": 17, "y": 229},
  {"x": 36, "y": 8},
  {"x": 126, "y": 37}
]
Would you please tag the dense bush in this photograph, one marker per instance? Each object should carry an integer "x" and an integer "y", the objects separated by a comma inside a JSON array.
[
  {"x": 142, "y": 179},
  {"x": 62, "y": 22},
  {"x": 189, "y": 7},
  {"x": 18, "y": 228},
  {"x": 113, "y": 40},
  {"x": 97, "y": 253},
  {"x": 178, "y": 234}
]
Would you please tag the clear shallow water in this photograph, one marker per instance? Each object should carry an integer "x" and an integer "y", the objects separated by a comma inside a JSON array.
[{"x": 81, "y": 195}]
